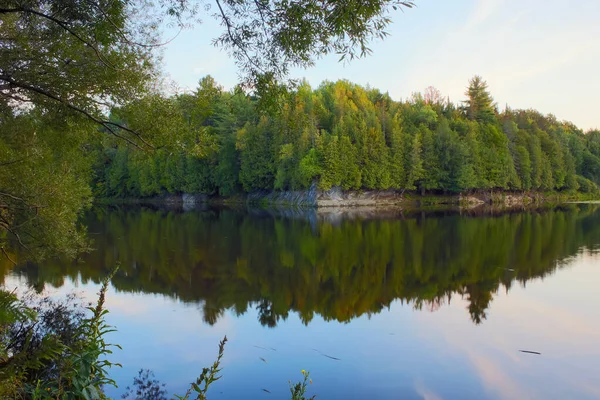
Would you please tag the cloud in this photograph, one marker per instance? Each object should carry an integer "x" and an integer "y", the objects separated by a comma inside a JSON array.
[
  {"x": 549, "y": 316},
  {"x": 482, "y": 12},
  {"x": 425, "y": 392}
]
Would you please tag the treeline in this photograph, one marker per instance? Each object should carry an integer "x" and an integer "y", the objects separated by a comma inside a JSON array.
[
  {"x": 226, "y": 260},
  {"x": 344, "y": 135}
]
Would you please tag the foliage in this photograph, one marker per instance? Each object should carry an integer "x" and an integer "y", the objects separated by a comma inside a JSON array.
[
  {"x": 43, "y": 184},
  {"x": 480, "y": 104},
  {"x": 199, "y": 388},
  {"x": 12, "y": 366},
  {"x": 78, "y": 57},
  {"x": 343, "y": 135},
  {"x": 93, "y": 65},
  {"x": 12, "y": 310},
  {"x": 63, "y": 65},
  {"x": 298, "y": 390},
  {"x": 146, "y": 387},
  {"x": 63, "y": 357},
  {"x": 267, "y": 38},
  {"x": 53, "y": 321}
]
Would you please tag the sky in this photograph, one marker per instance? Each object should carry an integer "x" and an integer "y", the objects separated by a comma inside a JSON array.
[{"x": 541, "y": 54}]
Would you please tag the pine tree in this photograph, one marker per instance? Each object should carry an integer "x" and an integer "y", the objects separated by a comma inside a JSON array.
[
  {"x": 523, "y": 166},
  {"x": 396, "y": 162},
  {"x": 431, "y": 164},
  {"x": 480, "y": 104},
  {"x": 118, "y": 174},
  {"x": 536, "y": 156},
  {"x": 415, "y": 171},
  {"x": 351, "y": 177},
  {"x": 331, "y": 166}
]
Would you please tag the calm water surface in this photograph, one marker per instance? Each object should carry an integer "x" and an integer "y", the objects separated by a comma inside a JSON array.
[{"x": 393, "y": 306}]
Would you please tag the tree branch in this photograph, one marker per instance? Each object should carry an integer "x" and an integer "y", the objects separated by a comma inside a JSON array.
[
  {"x": 124, "y": 35},
  {"x": 108, "y": 125},
  {"x": 7, "y": 256},
  {"x": 11, "y": 196},
  {"x": 63, "y": 25},
  {"x": 5, "y": 163},
  {"x": 233, "y": 38}
]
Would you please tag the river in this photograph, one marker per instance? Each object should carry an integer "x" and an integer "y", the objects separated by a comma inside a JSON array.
[{"x": 394, "y": 305}]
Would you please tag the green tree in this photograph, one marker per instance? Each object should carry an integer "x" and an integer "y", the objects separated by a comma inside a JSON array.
[
  {"x": 310, "y": 168},
  {"x": 480, "y": 104},
  {"x": 331, "y": 174},
  {"x": 396, "y": 162},
  {"x": 414, "y": 169},
  {"x": 431, "y": 164},
  {"x": 257, "y": 168}
]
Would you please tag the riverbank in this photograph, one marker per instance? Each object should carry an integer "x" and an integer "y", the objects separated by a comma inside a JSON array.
[{"x": 338, "y": 199}]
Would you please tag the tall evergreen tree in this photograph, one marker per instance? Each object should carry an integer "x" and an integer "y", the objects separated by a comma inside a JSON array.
[{"x": 480, "y": 104}]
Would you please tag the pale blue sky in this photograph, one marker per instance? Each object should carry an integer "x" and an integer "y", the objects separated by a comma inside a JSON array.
[{"x": 542, "y": 54}]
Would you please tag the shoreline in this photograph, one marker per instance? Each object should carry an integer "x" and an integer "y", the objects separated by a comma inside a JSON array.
[{"x": 336, "y": 199}]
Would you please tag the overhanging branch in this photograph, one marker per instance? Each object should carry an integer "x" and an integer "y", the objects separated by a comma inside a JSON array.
[{"x": 108, "y": 125}]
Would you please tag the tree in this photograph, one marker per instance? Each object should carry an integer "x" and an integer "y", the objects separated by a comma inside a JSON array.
[
  {"x": 414, "y": 169},
  {"x": 450, "y": 155},
  {"x": 77, "y": 56},
  {"x": 63, "y": 65},
  {"x": 224, "y": 144},
  {"x": 431, "y": 163},
  {"x": 523, "y": 166},
  {"x": 332, "y": 167},
  {"x": 309, "y": 168},
  {"x": 44, "y": 184},
  {"x": 470, "y": 173},
  {"x": 433, "y": 96},
  {"x": 480, "y": 104},
  {"x": 267, "y": 38},
  {"x": 351, "y": 174},
  {"x": 257, "y": 169},
  {"x": 396, "y": 162}
]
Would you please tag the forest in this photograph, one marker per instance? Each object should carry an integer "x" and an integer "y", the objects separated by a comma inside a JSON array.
[
  {"x": 229, "y": 143},
  {"x": 343, "y": 135}
]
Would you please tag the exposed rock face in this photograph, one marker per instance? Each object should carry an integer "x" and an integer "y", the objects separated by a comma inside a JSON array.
[
  {"x": 470, "y": 201},
  {"x": 507, "y": 199},
  {"x": 329, "y": 198},
  {"x": 304, "y": 198},
  {"x": 336, "y": 198},
  {"x": 192, "y": 201},
  {"x": 336, "y": 201},
  {"x": 169, "y": 199}
]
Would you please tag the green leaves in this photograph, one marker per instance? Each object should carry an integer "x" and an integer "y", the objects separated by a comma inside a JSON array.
[
  {"x": 267, "y": 38},
  {"x": 44, "y": 186},
  {"x": 12, "y": 310},
  {"x": 68, "y": 362},
  {"x": 80, "y": 63},
  {"x": 298, "y": 390},
  {"x": 341, "y": 135},
  {"x": 480, "y": 104},
  {"x": 199, "y": 388}
]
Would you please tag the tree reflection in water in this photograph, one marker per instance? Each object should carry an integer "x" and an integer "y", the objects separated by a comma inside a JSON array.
[{"x": 337, "y": 267}]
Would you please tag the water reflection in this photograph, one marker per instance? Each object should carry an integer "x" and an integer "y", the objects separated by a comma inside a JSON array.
[{"x": 337, "y": 267}]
